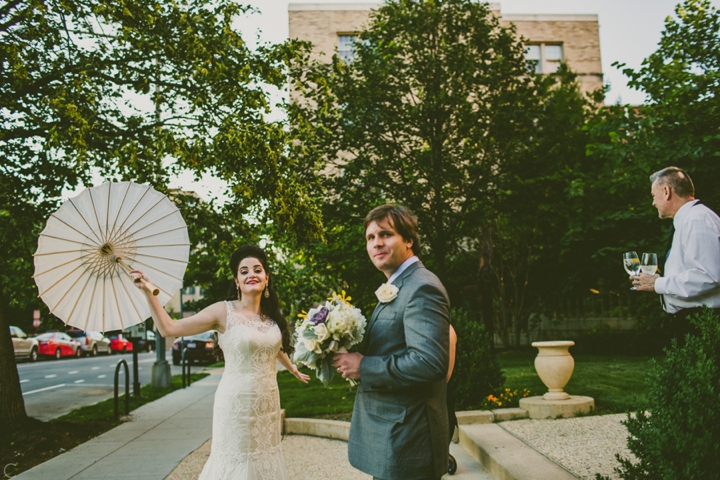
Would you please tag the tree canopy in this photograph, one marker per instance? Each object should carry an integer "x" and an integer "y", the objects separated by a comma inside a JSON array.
[
  {"x": 439, "y": 111},
  {"x": 678, "y": 125},
  {"x": 134, "y": 90}
]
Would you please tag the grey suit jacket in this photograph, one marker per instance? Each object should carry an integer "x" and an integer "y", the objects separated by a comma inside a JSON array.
[{"x": 399, "y": 426}]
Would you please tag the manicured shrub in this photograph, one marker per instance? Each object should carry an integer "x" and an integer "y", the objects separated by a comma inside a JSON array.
[
  {"x": 678, "y": 435},
  {"x": 477, "y": 371}
]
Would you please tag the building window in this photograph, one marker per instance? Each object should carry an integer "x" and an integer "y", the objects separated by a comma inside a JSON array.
[
  {"x": 533, "y": 58},
  {"x": 543, "y": 58},
  {"x": 346, "y": 47}
]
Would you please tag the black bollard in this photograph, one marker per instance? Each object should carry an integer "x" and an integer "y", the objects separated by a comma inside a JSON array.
[{"x": 136, "y": 376}]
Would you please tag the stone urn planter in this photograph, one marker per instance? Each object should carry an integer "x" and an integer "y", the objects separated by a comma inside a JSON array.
[{"x": 554, "y": 366}]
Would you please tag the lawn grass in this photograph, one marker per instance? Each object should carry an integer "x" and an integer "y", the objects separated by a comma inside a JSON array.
[
  {"x": 617, "y": 383},
  {"x": 35, "y": 441},
  {"x": 313, "y": 400}
]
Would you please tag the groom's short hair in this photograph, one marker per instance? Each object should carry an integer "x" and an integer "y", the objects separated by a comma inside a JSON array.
[{"x": 401, "y": 219}]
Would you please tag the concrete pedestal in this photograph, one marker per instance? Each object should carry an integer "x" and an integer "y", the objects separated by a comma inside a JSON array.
[
  {"x": 539, "y": 407},
  {"x": 161, "y": 375}
]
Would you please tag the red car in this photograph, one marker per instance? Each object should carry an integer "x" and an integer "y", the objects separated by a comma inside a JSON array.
[
  {"x": 58, "y": 344},
  {"x": 118, "y": 343}
]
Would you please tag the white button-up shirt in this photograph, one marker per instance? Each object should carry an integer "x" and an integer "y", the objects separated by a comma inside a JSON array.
[
  {"x": 402, "y": 268},
  {"x": 692, "y": 271}
]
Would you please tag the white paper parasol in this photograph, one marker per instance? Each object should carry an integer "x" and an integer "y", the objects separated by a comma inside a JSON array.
[{"x": 94, "y": 239}]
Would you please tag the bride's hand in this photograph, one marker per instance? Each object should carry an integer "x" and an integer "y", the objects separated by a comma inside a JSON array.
[
  {"x": 299, "y": 375},
  {"x": 139, "y": 279}
]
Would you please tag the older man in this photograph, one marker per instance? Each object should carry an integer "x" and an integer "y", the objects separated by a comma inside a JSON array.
[
  {"x": 399, "y": 427},
  {"x": 691, "y": 278}
]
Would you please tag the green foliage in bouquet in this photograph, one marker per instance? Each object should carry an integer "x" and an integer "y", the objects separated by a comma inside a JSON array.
[
  {"x": 678, "y": 436},
  {"x": 322, "y": 364},
  {"x": 477, "y": 372},
  {"x": 334, "y": 327}
]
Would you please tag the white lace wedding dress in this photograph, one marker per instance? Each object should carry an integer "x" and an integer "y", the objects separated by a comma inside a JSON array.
[{"x": 246, "y": 417}]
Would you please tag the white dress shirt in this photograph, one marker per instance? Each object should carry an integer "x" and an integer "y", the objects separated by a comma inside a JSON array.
[
  {"x": 692, "y": 271},
  {"x": 402, "y": 268}
]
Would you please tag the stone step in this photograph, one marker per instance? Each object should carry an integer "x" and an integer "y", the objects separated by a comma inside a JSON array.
[{"x": 505, "y": 457}]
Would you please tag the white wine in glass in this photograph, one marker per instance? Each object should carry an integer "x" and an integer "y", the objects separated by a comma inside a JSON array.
[
  {"x": 631, "y": 262},
  {"x": 649, "y": 263}
]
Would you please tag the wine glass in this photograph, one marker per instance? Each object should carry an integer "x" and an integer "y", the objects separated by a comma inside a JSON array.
[
  {"x": 649, "y": 263},
  {"x": 631, "y": 262}
]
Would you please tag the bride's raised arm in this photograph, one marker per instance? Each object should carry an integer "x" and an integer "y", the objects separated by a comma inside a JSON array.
[{"x": 209, "y": 318}]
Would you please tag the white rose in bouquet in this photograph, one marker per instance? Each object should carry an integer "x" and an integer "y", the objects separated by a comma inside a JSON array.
[{"x": 321, "y": 332}]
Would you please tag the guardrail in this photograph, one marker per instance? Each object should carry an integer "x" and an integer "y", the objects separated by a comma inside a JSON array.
[{"x": 127, "y": 387}]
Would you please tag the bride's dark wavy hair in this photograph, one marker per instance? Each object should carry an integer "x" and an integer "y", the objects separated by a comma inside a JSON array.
[{"x": 269, "y": 306}]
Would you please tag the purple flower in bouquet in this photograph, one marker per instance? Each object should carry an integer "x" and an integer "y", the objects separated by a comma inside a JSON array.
[{"x": 320, "y": 316}]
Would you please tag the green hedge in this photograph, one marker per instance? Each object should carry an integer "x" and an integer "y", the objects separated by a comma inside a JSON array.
[
  {"x": 678, "y": 436},
  {"x": 477, "y": 372}
]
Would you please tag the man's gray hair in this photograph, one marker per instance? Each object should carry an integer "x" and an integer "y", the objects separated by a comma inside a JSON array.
[{"x": 675, "y": 178}]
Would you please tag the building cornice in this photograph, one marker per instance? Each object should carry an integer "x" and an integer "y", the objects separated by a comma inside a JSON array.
[
  {"x": 549, "y": 18},
  {"x": 314, "y": 7}
]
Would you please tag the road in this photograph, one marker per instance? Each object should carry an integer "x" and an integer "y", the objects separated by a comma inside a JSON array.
[{"x": 52, "y": 388}]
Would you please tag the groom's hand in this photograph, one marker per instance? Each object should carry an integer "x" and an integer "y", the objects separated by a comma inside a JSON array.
[{"x": 348, "y": 364}]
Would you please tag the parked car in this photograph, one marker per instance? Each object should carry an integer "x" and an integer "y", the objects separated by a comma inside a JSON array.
[
  {"x": 200, "y": 347},
  {"x": 147, "y": 344},
  {"x": 120, "y": 344},
  {"x": 58, "y": 344},
  {"x": 91, "y": 342},
  {"x": 24, "y": 346}
]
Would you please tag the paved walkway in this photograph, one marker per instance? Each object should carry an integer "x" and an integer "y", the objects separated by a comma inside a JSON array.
[
  {"x": 159, "y": 435},
  {"x": 168, "y": 438}
]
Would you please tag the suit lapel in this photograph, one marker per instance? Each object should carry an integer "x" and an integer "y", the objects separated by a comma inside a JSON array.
[{"x": 380, "y": 306}]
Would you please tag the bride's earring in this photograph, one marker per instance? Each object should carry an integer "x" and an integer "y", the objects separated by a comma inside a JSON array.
[
  {"x": 237, "y": 287},
  {"x": 267, "y": 292}
]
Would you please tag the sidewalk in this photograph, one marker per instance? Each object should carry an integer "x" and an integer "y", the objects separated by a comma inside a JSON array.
[
  {"x": 148, "y": 447},
  {"x": 162, "y": 434}
]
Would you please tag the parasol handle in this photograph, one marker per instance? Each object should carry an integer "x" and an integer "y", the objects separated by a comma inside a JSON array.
[{"x": 149, "y": 285}]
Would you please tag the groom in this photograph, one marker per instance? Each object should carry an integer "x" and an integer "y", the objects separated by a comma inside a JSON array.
[{"x": 399, "y": 425}]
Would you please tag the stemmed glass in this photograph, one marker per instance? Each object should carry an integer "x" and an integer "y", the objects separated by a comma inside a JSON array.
[
  {"x": 631, "y": 262},
  {"x": 649, "y": 263}
]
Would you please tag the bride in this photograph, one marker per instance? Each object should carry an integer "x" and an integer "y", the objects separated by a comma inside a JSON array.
[{"x": 253, "y": 334}]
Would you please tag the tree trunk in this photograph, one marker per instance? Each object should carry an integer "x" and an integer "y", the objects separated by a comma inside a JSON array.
[
  {"x": 485, "y": 276},
  {"x": 12, "y": 405}
]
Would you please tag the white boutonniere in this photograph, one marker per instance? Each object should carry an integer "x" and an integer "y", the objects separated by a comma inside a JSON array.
[{"x": 387, "y": 292}]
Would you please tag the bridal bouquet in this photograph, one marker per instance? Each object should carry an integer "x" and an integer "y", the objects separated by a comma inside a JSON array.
[{"x": 328, "y": 329}]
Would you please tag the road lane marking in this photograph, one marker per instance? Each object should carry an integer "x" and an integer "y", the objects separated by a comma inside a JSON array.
[
  {"x": 73, "y": 372},
  {"x": 95, "y": 368},
  {"x": 102, "y": 376},
  {"x": 79, "y": 381},
  {"x": 43, "y": 389},
  {"x": 50, "y": 376},
  {"x": 24, "y": 381}
]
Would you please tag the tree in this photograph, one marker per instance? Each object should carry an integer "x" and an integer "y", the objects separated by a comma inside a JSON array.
[
  {"x": 677, "y": 125},
  {"x": 72, "y": 73},
  {"x": 531, "y": 206},
  {"x": 439, "y": 112}
]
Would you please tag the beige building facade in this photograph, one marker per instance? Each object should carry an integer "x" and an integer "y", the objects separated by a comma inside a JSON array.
[{"x": 550, "y": 39}]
